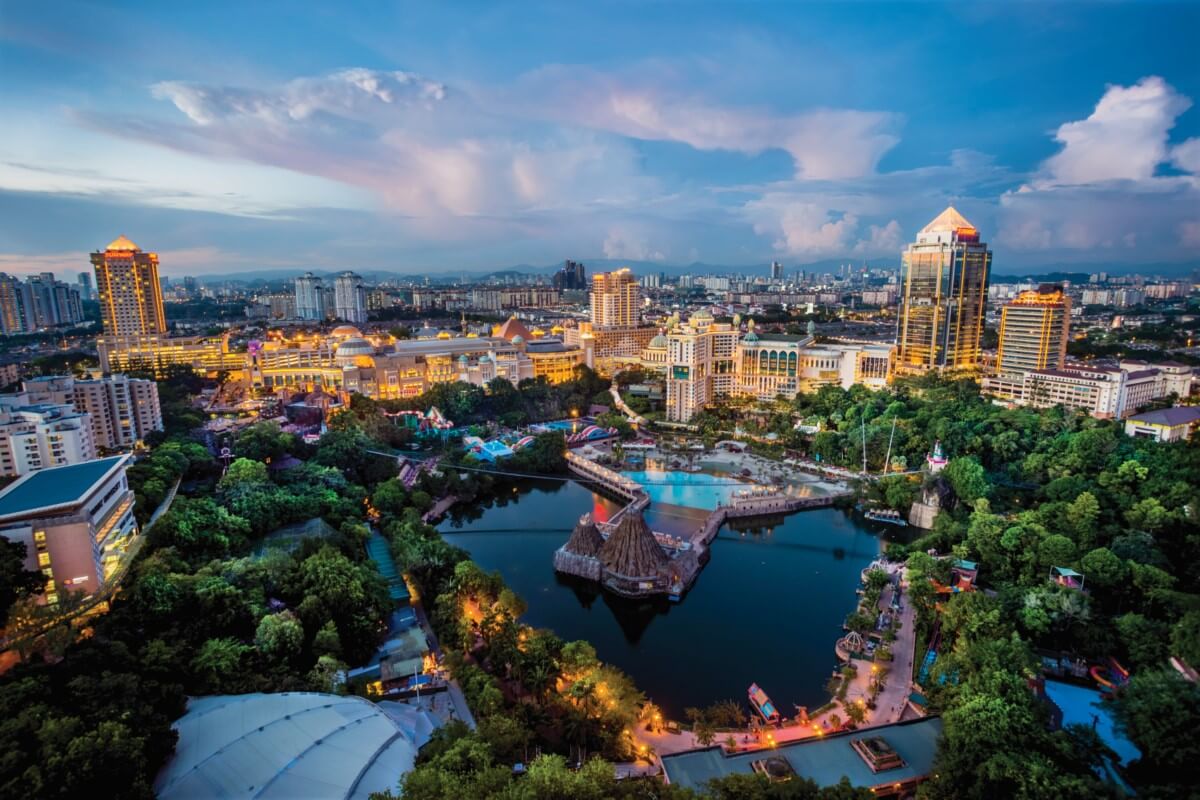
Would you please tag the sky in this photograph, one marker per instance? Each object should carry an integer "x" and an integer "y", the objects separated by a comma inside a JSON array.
[{"x": 432, "y": 138}]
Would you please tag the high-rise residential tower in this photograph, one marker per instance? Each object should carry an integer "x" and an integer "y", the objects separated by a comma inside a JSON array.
[
  {"x": 615, "y": 297},
  {"x": 16, "y": 306},
  {"x": 350, "y": 298},
  {"x": 131, "y": 303},
  {"x": 310, "y": 297},
  {"x": 944, "y": 282},
  {"x": 1034, "y": 327}
]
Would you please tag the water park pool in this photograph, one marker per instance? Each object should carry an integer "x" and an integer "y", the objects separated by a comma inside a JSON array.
[
  {"x": 688, "y": 489},
  {"x": 567, "y": 425},
  {"x": 1083, "y": 706}
]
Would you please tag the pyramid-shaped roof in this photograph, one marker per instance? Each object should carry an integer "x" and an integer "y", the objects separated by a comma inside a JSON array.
[
  {"x": 948, "y": 220},
  {"x": 585, "y": 539},
  {"x": 121, "y": 243},
  {"x": 632, "y": 550},
  {"x": 512, "y": 328}
]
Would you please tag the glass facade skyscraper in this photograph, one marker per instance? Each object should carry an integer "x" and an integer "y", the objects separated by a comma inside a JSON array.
[{"x": 944, "y": 280}]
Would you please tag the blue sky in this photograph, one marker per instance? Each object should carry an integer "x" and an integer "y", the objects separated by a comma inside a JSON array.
[{"x": 440, "y": 137}]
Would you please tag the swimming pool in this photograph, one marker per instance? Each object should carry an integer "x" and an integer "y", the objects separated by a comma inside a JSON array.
[
  {"x": 566, "y": 425},
  {"x": 1082, "y": 706},
  {"x": 689, "y": 489}
]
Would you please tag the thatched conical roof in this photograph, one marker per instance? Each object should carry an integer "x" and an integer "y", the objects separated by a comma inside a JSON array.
[
  {"x": 632, "y": 550},
  {"x": 585, "y": 539}
]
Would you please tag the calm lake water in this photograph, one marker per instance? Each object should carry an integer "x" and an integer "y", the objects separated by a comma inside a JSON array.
[{"x": 767, "y": 608}]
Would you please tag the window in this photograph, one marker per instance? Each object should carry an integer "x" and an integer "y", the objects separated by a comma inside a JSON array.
[{"x": 43, "y": 559}]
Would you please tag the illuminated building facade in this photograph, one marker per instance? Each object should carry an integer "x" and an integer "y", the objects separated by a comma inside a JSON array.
[
  {"x": 204, "y": 354},
  {"x": 615, "y": 298},
  {"x": 944, "y": 279},
  {"x": 1034, "y": 328},
  {"x": 127, "y": 287},
  {"x": 76, "y": 523},
  {"x": 707, "y": 361}
]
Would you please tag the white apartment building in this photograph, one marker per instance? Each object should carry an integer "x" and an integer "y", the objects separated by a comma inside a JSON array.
[
  {"x": 76, "y": 522},
  {"x": 350, "y": 298},
  {"x": 123, "y": 410},
  {"x": 37, "y": 437},
  {"x": 1105, "y": 393}
]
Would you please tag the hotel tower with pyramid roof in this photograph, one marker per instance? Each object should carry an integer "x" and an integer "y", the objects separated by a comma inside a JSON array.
[{"x": 944, "y": 285}]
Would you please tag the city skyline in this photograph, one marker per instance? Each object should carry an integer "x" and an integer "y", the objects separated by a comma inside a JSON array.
[{"x": 769, "y": 133}]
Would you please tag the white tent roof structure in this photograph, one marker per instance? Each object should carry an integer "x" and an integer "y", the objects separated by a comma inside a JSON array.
[{"x": 291, "y": 745}]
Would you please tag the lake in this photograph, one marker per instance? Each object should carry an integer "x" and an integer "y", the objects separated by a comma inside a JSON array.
[{"x": 767, "y": 608}]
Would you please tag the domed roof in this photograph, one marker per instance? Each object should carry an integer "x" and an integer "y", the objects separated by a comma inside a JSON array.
[
  {"x": 291, "y": 744},
  {"x": 444, "y": 334},
  {"x": 355, "y": 346},
  {"x": 463, "y": 359},
  {"x": 518, "y": 339},
  {"x": 485, "y": 359},
  {"x": 659, "y": 342},
  {"x": 344, "y": 331},
  {"x": 750, "y": 337},
  {"x": 121, "y": 243},
  {"x": 701, "y": 315}
]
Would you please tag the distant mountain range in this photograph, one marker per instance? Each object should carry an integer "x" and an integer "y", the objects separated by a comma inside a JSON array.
[{"x": 1048, "y": 272}]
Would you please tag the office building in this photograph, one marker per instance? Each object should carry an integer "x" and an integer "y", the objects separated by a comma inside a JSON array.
[
  {"x": 350, "y": 298},
  {"x": 76, "y": 523},
  {"x": 776, "y": 271},
  {"x": 310, "y": 297},
  {"x": 944, "y": 285},
  {"x": 41, "y": 436},
  {"x": 1034, "y": 328},
  {"x": 123, "y": 410},
  {"x": 615, "y": 299},
  {"x": 127, "y": 286}
]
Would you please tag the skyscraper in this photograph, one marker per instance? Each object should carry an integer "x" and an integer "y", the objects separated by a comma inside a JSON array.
[
  {"x": 310, "y": 297},
  {"x": 131, "y": 303},
  {"x": 776, "y": 271},
  {"x": 1034, "y": 327},
  {"x": 572, "y": 275},
  {"x": 350, "y": 298},
  {"x": 85, "y": 286},
  {"x": 944, "y": 278},
  {"x": 615, "y": 299}
]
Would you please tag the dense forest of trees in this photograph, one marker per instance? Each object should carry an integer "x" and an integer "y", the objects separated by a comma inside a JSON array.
[{"x": 209, "y": 608}]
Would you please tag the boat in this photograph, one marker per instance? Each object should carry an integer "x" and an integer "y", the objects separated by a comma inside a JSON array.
[
  {"x": 886, "y": 515},
  {"x": 762, "y": 704}
]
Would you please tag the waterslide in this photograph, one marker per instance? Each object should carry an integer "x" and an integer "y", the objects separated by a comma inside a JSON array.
[{"x": 1110, "y": 676}]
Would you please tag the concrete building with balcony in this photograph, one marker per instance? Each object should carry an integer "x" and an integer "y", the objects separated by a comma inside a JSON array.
[
  {"x": 76, "y": 522},
  {"x": 42, "y": 436}
]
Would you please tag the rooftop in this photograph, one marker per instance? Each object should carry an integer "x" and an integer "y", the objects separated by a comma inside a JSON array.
[
  {"x": 948, "y": 220},
  {"x": 824, "y": 759},
  {"x": 1178, "y": 415},
  {"x": 292, "y": 744},
  {"x": 121, "y": 243},
  {"x": 58, "y": 486}
]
